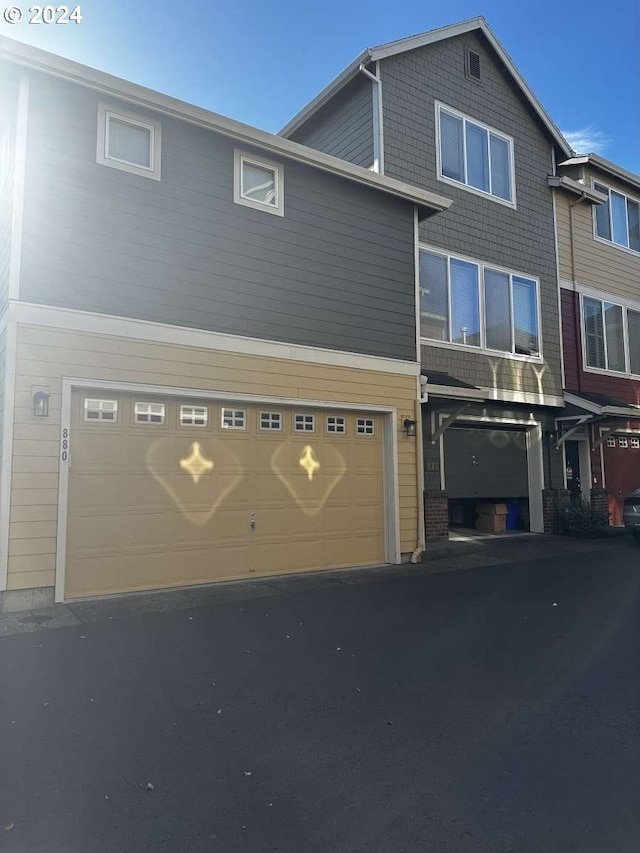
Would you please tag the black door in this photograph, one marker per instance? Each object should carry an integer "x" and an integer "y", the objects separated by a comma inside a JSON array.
[{"x": 574, "y": 483}]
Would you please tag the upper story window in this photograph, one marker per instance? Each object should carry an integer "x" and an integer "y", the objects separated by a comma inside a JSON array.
[
  {"x": 471, "y": 304},
  {"x": 258, "y": 183},
  {"x": 128, "y": 142},
  {"x": 618, "y": 219},
  {"x": 611, "y": 336},
  {"x": 475, "y": 155}
]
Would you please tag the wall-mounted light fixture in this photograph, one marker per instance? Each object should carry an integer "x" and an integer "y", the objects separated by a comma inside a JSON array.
[
  {"x": 41, "y": 404},
  {"x": 409, "y": 426}
]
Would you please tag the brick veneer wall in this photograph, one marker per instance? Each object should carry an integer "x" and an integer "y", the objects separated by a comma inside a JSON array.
[
  {"x": 600, "y": 501},
  {"x": 552, "y": 499},
  {"x": 436, "y": 515}
]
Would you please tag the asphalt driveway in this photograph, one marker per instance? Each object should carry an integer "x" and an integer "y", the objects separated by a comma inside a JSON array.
[{"x": 489, "y": 710}]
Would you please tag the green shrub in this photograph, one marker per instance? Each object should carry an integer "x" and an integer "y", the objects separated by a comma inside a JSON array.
[{"x": 580, "y": 519}]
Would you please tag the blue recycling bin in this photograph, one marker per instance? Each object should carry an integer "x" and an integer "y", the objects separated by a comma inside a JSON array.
[{"x": 513, "y": 514}]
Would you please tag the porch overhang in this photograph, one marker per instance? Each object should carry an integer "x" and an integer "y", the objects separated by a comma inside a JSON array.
[{"x": 598, "y": 408}]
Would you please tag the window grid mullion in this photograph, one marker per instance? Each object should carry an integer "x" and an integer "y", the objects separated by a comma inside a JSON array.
[
  {"x": 449, "y": 302},
  {"x": 489, "y": 137},
  {"x": 625, "y": 339},
  {"x": 464, "y": 150},
  {"x": 482, "y": 306},
  {"x": 512, "y": 324},
  {"x": 604, "y": 335}
]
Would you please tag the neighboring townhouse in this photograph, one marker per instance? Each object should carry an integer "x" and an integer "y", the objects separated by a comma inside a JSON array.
[
  {"x": 598, "y": 223},
  {"x": 448, "y": 112},
  {"x": 209, "y": 362}
]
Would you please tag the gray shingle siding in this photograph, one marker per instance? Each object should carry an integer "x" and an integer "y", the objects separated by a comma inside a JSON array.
[
  {"x": 336, "y": 271},
  {"x": 522, "y": 240},
  {"x": 345, "y": 127}
]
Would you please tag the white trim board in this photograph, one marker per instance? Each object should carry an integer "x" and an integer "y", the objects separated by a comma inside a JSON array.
[
  {"x": 389, "y": 453},
  {"x": 146, "y": 330},
  {"x": 19, "y": 173},
  {"x": 11, "y": 349}
]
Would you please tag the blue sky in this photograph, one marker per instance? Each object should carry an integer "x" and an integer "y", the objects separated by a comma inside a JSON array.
[{"x": 259, "y": 62}]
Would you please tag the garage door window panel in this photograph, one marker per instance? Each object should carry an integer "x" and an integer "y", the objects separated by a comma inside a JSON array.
[
  {"x": 149, "y": 413},
  {"x": 233, "y": 419},
  {"x": 336, "y": 425},
  {"x": 365, "y": 426},
  {"x": 197, "y": 416},
  {"x": 304, "y": 423},
  {"x": 100, "y": 410},
  {"x": 271, "y": 421}
]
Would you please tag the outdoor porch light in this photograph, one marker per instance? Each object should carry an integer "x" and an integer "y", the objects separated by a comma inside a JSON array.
[
  {"x": 41, "y": 404},
  {"x": 409, "y": 427}
]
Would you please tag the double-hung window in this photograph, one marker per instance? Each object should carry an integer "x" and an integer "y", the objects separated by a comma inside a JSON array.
[
  {"x": 475, "y": 155},
  {"x": 618, "y": 219},
  {"x": 611, "y": 336},
  {"x": 476, "y": 305}
]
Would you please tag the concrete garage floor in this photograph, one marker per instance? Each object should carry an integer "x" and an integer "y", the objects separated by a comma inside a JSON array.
[{"x": 390, "y": 710}]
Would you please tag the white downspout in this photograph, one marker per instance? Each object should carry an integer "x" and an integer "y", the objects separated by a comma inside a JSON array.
[{"x": 378, "y": 128}]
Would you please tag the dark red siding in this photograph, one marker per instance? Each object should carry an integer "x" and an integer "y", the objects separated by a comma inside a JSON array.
[{"x": 576, "y": 379}]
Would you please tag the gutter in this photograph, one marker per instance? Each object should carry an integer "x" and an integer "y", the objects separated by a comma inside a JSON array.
[{"x": 586, "y": 193}]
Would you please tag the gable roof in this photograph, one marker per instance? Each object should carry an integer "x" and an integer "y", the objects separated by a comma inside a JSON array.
[
  {"x": 382, "y": 51},
  {"x": 106, "y": 84}
]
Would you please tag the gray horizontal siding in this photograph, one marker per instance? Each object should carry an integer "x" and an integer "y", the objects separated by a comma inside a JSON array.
[
  {"x": 523, "y": 239},
  {"x": 336, "y": 271},
  {"x": 8, "y": 110},
  {"x": 345, "y": 128}
]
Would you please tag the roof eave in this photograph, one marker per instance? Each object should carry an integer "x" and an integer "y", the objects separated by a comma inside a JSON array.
[
  {"x": 52, "y": 64},
  {"x": 575, "y": 187},
  {"x": 605, "y": 165}
]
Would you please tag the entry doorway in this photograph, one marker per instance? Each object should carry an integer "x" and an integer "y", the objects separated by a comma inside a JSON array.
[{"x": 577, "y": 469}]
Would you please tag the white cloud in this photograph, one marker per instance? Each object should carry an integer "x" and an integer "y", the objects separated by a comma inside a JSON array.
[{"x": 587, "y": 140}]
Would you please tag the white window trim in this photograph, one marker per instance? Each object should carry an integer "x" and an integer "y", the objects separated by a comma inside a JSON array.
[
  {"x": 137, "y": 412},
  {"x": 621, "y": 439},
  {"x": 371, "y": 423},
  {"x": 270, "y": 428},
  {"x": 604, "y": 240},
  {"x": 193, "y": 407},
  {"x": 439, "y": 105},
  {"x": 514, "y": 356},
  {"x": 612, "y": 300},
  {"x": 232, "y": 409},
  {"x": 104, "y": 114},
  {"x": 99, "y": 420},
  {"x": 239, "y": 158},
  {"x": 342, "y": 431},
  {"x": 304, "y": 415}
]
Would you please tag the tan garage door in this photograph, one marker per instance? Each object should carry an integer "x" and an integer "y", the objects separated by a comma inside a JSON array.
[{"x": 166, "y": 492}]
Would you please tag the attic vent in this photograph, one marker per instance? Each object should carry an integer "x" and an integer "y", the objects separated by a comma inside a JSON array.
[{"x": 473, "y": 65}]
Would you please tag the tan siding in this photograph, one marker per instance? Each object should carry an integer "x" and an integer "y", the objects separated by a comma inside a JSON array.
[
  {"x": 598, "y": 264},
  {"x": 45, "y": 356}
]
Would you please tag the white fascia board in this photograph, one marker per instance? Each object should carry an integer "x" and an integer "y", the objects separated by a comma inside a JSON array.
[
  {"x": 605, "y": 166},
  {"x": 618, "y": 411},
  {"x": 452, "y": 392},
  {"x": 110, "y": 86},
  {"x": 575, "y": 187}
]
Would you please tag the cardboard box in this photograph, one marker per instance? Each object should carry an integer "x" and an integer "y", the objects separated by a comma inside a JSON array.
[
  {"x": 489, "y": 523},
  {"x": 492, "y": 509}
]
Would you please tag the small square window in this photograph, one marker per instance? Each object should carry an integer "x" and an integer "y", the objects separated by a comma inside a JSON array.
[
  {"x": 304, "y": 423},
  {"x": 128, "y": 142},
  {"x": 149, "y": 413},
  {"x": 611, "y": 442},
  {"x": 270, "y": 421},
  {"x": 622, "y": 442},
  {"x": 336, "y": 424},
  {"x": 233, "y": 419},
  {"x": 258, "y": 183},
  {"x": 635, "y": 443},
  {"x": 365, "y": 426},
  {"x": 100, "y": 410},
  {"x": 194, "y": 416}
]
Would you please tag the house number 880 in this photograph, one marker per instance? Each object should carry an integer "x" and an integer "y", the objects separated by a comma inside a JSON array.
[{"x": 65, "y": 444}]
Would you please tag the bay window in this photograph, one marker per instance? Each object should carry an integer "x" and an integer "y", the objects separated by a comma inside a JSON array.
[{"x": 476, "y": 305}]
